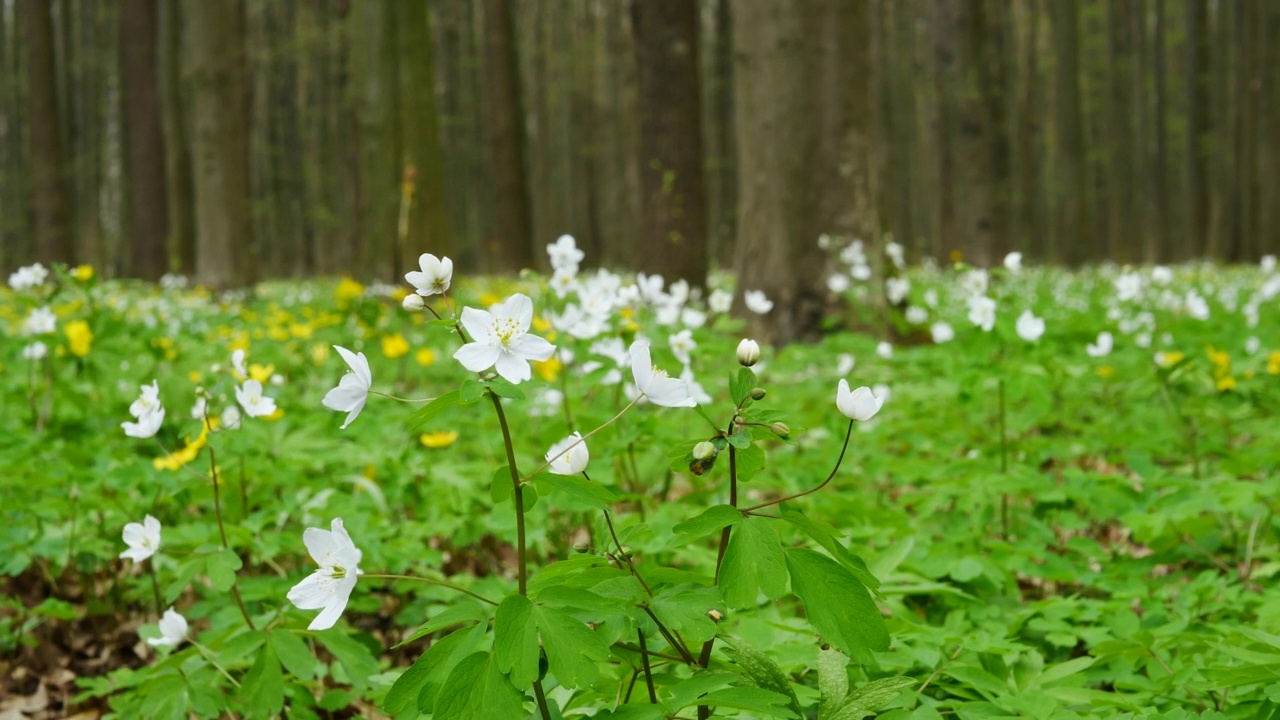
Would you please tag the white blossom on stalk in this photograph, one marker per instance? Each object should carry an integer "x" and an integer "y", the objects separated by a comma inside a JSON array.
[
  {"x": 147, "y": 411},
  {"x": 982, "y": 312},
  {"x": 173, "y": 630},
  {"x": 329, "y": 587},
  {"x": 682, "y": 345},
  {"x": 757, "y": 302},
  {"x": 41, "y": 321},
  {"x": 569, "y": 456},
  {"x": 1013, "y": 262},
  {"x": 142, "y": 538},
  {"x": 433, "y": 278},
  {"x": 719, "y": 301},
  {"x": 501, "y": 339},
  {"x": 565, "y": 255},
  {"x": 28, "y": 277},
  {"x": 35, "y": 351},
  {"x": 942, "y": 332},
  {"x": 353, "y": 389},
  {"x": 1029, "y": 327},
  {"x": 255, "y": 404},
  {"x": 861, "y": 404},
  {"x": 1101, "y": 347},
  {"x": 654, "y": 383}
]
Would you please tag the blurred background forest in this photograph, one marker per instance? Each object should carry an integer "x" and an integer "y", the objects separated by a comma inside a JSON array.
[{"x": 236, "y": 140}]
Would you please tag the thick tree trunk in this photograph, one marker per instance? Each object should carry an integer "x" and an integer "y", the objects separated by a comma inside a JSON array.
[
  {"x": 1075, "y": 230},
  {"x": 144, "y": 140},
  {"x": 674, "y": 222},
  {"x": 512, "y": 245},
  {"x": 220, "y": 141},
  {"x": 177, "y": 154},
  {"x": 52, "y": 235},
  {"x": 1199, "y": 128}
]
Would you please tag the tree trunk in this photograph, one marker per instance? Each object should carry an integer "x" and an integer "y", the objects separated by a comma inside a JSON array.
[
  {"x": 1160, "y": 165},
  {"x": 219, "y": 141},
  {"x": 144, "y": 140},
  {"x": 512, "y": 246},
  {"x": 52, "y": 236},
  {"x": 177, "y": 154},
  {"x": 674, "y": 222},
  {"x": 1199, "y": 129},
  {"x": 1075, "y": 231}
]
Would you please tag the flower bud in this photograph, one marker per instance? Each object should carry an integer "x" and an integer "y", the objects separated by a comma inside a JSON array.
[
  {"x": 413, "y": 302},
  {"x": 757, "y": 394},
  {"x": 704, "y": 450},
  {"x": 748, "y": 353},
  {"x": 715, "y": 615},
  {"x": 781, "y": 429},
  {"x": 581, "y": 547}
]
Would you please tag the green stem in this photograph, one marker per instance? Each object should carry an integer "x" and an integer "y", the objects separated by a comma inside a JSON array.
[
  {"x": 648, "y": 672},
  {"x": 155, "y": 587},
  {"x": 560, "y": 454},
  {"x": 839, "y": 461},
  {"x": 222, "y": 529},
  {"x": 430, "y": 581},
  {"x": 400, "y": 399}
]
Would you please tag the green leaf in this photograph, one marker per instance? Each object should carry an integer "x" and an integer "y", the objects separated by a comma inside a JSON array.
[
  {"x": 294, "y": 654},
  {"x": 753, "y": 563},
  {"x": 431, "y": 410},
  {"x": 754, "y": 700},
  {"x": 471, "y": 391},
  {"x": 825, "y": 535},
  {"x": 869, "y": 699},
  {"x": 712, "y": 519},
  {"x": 500, "y": 488},
  {"x": 833, "y": 681},
  {"x": 463, "y": 613},
  {"x": 504, "y": 388},
  {"x": 185, "y": 573},
  {"x": 417, "y": 685},
  {"x": 222, "y": 567},
  {"x": 1064, "y": 670},
  {"x": 515, "y": 640},
  {"x": 477, "y": 689},
  {"x": 355, "y": 658},
  {"x": 582, "y": 490},
  {"x": 572, "y": 648},
  {"x": 741, "y": 384},
  {"x": 740, "y": 440},
  {"x": 750, "y": 461},
  {"x": 837, "y": 604},
  {"x": 762, "y": 670},
  {"x": 684, "y": 608},
  {"x": 262, "y": 688}
]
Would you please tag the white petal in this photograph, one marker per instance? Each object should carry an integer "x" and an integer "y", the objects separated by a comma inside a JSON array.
[
  {"x": 641, "y": 364},
  {"x": 477, "y": 323},
  {"x": 513, "y": 368},
  {"x": 533, "y": 347},
  {"x": 314, "y": 592},
  {"x": 355, "y": 412},
  {"x": 519, "y": 307},
  {"x": 358, "y": 363},
  {"x": 477, "y": 356},
  {"x": 669, "y": 392},
  {"x": 333, "y": 610},
  {"x": 321, "y": 544}
]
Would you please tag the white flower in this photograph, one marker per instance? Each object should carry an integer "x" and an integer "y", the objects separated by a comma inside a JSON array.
[
  {"x": 28, "y": 277},
  {"x": 501, "y": 339},
  {"x": 231, "y": 418},
  {"x": 894, "y": 251},
  {"x": 884, "y": 350},
  {"x": 860, "y": 271},
  {"x": 1029, "y": 327},
  {"x": 748, "y": 352},
  {"x": 412, "y": 303},
  {"x": 200, "y": 408},
  {"x": 1252, "y": 345},
  {"x": 696, "y": 391},
  {"x": 330, "y": 586},
  {"x": 1161, "y": 275},
  {"x": 917, "y": 315},
  {"x": 435, "y": 276},
  {"x": 173, "y": 630},
  {"x": 148, "y": 401},
  {"x": 942, "y": 332},
  {"x": 845, "y": 363},
  {"x": 720, "y": 301},
  {"x": 142, "y": 538},
  {"x": 1128, "y": 286},
  {"x": 41, "y": 321},
  {"x": 1268, "y": 263},
  {"x": 564, "y": 254},
  {"x": 569, "y": 456},
  {"x": 838, "y": 283},
  {"x": 255, "y": 404},
  {"x": 1102, "y": 347},
  {"x": 860, "y": 404},
  {"x": 692, "y": 318},
  {"x": 757, "y": 302},
  {"x": 353, "y": 389},
  {"x": 146, "y": 426},
  {"x": 975, "y": 282},
  {"x": 1196, "y": 306},
  {"x": 896, "y": 289},
  {"x": 682, "y": 344},
  {"x": 1013, "y": 262},
  {"x": 654, "y": 383},
  {"x": 982, "y": 312},
  {"x": 931, "y": 298},
  {"x": 237, "y": 363},
  {"x": 35, "y": 351}
]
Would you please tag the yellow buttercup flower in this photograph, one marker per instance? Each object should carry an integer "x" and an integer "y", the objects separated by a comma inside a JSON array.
[
  {"x": 79, "y": 337},
  {"x": 261, "y": 373},
  {"x": 548, "y": 369},
  {"x": 176, "y": 459},
  {"x": 83, "y": 273},
  {"x": 426, "y": 357},
  {"x": 438, "y": 439},
  {"x": 1226, "y": 383},
  {"x": 1106, "y": 371},
  {"x": 1166, "y": 359},
  {"x": 1273, "y": 363},
  {"x": 279, "y": 413},
  {"x": 487, "y": 299},
  {"x": 348, "y": 289},
  {"x": 542, "y": 325},
  {"x": 319, "y": 353},
  {"x": 394, "y": 346},
  {"x": 195, "y": 377}
]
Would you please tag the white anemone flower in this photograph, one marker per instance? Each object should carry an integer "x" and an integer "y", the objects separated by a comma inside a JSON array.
[
  {"x": 501, "y": 339},
  {"x": 682, "y": 345},
  {"x": 1102, "y": 347},
  {"x": 861, "y": 404},
  {"x": 1029, "y": 327},
  {"x": 35, "y": 351},
  {"x": 41, "y": 321},
  {"x": 173, "y": 630},
  {"x": 720, "y": 301},
  {"x": 255, "y": 404},
  {"x": 237, "y": 363},
  {"x": 757, "y": 302},
  {"x": 942, "y": 332},
  {"x": 435, "y": 276},
  {"x": 148, "y": 401},
  {"x": 353, "y": 389},
  {"x": 1013, "y": 262},
  {"x": 654, "y": 383},
  {"x": 329, "y": 587},
  {"x": 884, "y": 350},
  {"x": 146, "y": 426},
  {"x": 982, "y": 312},
  {"x": 569, "y": 456},
  {"x": 142, "y": 538}
]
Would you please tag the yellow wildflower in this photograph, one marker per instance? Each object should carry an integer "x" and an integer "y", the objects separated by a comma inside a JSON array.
[
  {"x": 487, "y": 299},
  {"x": 83, "y": 273},
  {"x": 548, "y": 369},
  {"x": 394, "y": 346},
  {"x": 399, "y": 294},
  {"x": 1166, "y": 359},
  {"x": 279, "y": 413},
  {"x": 1273, "y": 363},
  {"x": 439, "y": 438},
  {"x": 1226, "y": 383},
  {"x": 79, "y": 337},
  {"x": 956, "y": 256},
  {"x": 1106, "y": 371},
  {"x": 542, "y": 325},
  {"x": 176, "y": 459},
  {"x": 319, "y": 353},
  {"x": 261, "y": 373},
  {"x": 426, "y": 357},
  {"x": 302, "y": 331},
  {"x": 348, "y": 289},
  {"x": 195, "y": 376}
]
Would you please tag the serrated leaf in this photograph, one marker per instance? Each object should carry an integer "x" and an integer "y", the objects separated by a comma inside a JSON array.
[
  {"x": 294, "y": 654},
  {"x": 515, "y": 640},
  {"x": 741, "y": 384},
  {"x": 750, "y": 461},
  {"x": 582, "y": 490},
  {"x": 221, "y": 567},
  {"x": 714, "y": 518},
  {"x": 869, "y": 699},
  {"x": 753, "y": 563},
  {"x": 837, "y": 604},
  {"x": 355, "y": 658},
  {"x": 463, "y": 613},
  {"x": 572, "y": 648},
  {"x": 431, "y": 410},
  {"x": 825, "y": 535},
  {"x": 684, "y": 608},
  {"x": 262, "y": 688},
  {"x": 762, "y": 670},
  {"x": 477, "y": 690},
  {"x": 833, "y": 681}
]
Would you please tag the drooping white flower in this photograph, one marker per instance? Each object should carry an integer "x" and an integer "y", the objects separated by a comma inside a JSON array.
[
  {"x": 148, "y": 401},
  {"x": 501, "y": 339},
  {"x": 1013, "y": 262},
  {"x": 41, "y": 321},
  {"x": 237, "y": 363},
  {"x": 329, "y": 587},
  {"x": 255, "y": 404},
  {"x": 147, "y": 411},
  {"x": 353, "y": 389},
  {"x": 682, "y": 345},
  {"x": 1102, "y": 347},
  {"x": 35, "y": 351},
  {"x": 1029, "y": 327},
  {"x": 173, "y": 630},
  {"x": 757, "y": 302},
  {"x": 654, "y": 383},
  {"x": 142, "y": 538},
  {"x": 942, "y": 332},
  {"x": 569, "y": 456},
  {"x": 433, "y": 278},
  {"x": 982, "y": 312},
  {"x": 860, "y": 404}
]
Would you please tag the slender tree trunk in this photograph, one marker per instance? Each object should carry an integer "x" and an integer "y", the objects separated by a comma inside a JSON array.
[
  {"x": 181, "y": 242},
  {"x": 148, "y": 197},
  {"x": 1199, "y": 128},
  {"x": 1075, "y": 229},
  {"x": 512, "y": 248},
  {"x": 52, "y": 236},
  {"x": 1160, "y": 164}
]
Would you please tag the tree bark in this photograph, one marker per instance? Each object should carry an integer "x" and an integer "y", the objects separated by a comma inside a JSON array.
[
  {"x": 1199, "y": 129},
  {"x": 144, "y": 140},
  {"x": 512, "y": 246},
  {"x": 1075, "y": 231},
  {"x": 52, "y": 235}
]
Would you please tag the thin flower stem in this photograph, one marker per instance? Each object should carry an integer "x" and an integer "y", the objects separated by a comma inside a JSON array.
[
  {"x": 208, "y": 656},
  {"x": 430, "y": 581},
  {"x": 648, "y": 672},
  {"x": 222, "y": 529},
  {"x": 621, "y": 553},
  {"x": 810, "y": 491},
  {"x": 400, "y": 399},
  {"x": 155, "y": 587},
  {"x": 704, "y": 657},
  {"x": 650, "y": 653},
  {"x": 607, "y": 423}
]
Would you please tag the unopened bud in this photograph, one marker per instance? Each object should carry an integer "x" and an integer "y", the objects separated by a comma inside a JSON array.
[
  {"x": 781, "y": 429},
  {"x": 757, "y": 394},
  {"x": 748, "y": 352},
  {"x": 581, "y": 547},
  {"x": 413, "y": 302},
  {"x": 715, "y": 615},
  {"x": 704, "y": 450}
]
